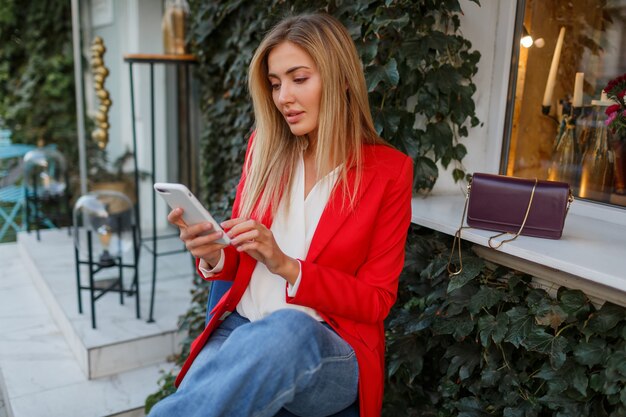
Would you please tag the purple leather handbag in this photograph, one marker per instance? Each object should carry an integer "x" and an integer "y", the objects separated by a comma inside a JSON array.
[
  {"x": 500, "y": 203},
  {"x": 515, "y": 206}
]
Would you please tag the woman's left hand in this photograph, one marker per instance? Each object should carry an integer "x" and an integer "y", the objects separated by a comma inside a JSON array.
[{"x": 258, "y": 241}]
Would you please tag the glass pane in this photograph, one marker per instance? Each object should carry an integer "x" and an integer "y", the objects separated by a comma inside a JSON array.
[{"x": 558, "y": 130}]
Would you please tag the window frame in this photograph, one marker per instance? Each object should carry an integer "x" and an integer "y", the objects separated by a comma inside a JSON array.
[{"x": 584, "y": 207}]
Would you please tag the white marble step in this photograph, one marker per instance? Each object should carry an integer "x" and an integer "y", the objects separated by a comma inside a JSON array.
[
  {"x": 121, "y": 342},
  {"x": 39, "y": 375},
  {"x": 3, "y": 409}
]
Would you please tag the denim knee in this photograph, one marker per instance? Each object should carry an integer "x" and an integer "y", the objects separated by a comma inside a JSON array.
[
  {"x": 291, "y": 318},
  {"x": 297, "y": 325},
  {"x": 285, "y": 330}
]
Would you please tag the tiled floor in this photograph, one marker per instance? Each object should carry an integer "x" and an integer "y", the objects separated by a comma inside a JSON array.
[
  {"x": 40, "y": 371},
  {"x": 106, "y": 349}
]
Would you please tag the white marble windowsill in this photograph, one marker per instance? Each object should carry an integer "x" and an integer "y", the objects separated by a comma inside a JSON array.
[{"x": 590, "y": 256}]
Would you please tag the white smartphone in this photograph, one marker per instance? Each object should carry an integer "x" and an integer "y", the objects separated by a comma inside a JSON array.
[{"x": 177, "y": 195}]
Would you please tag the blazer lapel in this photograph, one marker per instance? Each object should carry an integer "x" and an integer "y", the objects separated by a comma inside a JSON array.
[{"x": 334, "y": 215}]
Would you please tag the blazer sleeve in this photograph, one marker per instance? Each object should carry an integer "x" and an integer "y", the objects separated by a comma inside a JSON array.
[
  {"x": 368, "y": 295},
  {"x": 231, "y": 256},
  {"x": 231, "y": 262}
]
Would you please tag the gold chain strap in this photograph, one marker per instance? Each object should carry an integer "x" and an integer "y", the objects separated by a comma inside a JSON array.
[
  {"x": 457, "y": 236},
  {"x": 530, "y": 202}
]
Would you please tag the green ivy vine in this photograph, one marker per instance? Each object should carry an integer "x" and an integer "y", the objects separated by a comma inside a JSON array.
[
  {"x": 488, "y": 343},
  {"x": 37, "y": 99},
  {"x": 418, "y": 68}
]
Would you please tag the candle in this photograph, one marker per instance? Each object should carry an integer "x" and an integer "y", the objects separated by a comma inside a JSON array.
[
  {"x": 547, "y": 96},
  {"x": 603, "y": 96},
  {"x": 577, "y": 101}
]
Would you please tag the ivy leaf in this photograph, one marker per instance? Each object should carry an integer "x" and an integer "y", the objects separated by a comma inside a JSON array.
[
  {"x": 458, "y": 327},
  {"x": 398, "y": 23},
  {"x": 490, "y": 377},
  {"x": 418, "y": 326},
  {"x": 590, "y": 353},
  {"x": 555, "y": 387},
  {"x": 616, "y": 366},
  {"x": 463, "y": 358},
  {"x": 434, "y": 268},
  {"x": 459, "y": 151},
  {"x": 492, "y": 328},
  {"x": 539, "y": 303},
  {"x": 471, "y": 269},
  {"x": 579, "y": 380},
  {"x": 438, "y": 137},
  {"x": 448, "y": 389},
  {"x": 606, "y": 318},
  {"x": 471, "y": 407},
  {"x": 387, "y": 122},
  {"x": 573, "y": 302},
  {"x": 553, "y": 318},
  {"x": 425, "y": 173},
  {"x": 368, "y": 50},
  {"x": 522, "y": 409},
  {"x": 458, "y": 174},
  {"x": 520, "y": 326},
  {"x": 388, "y": 74},
  {"x": 486, "y": 297},
  {"x": 596, "y": 381},
  {"x": 513, "y": 412},
  {"x": 458, "y": 300},
  {"x": 393, "y": 366},
  {"x": 554, "y": 346}
]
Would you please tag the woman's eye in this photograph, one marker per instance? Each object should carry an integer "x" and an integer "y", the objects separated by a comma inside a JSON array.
[
  {"x": 299, "y": 80},
  {"x": 275, "y": 86}
]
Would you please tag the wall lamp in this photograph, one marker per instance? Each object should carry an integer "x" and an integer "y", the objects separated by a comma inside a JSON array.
[{"x": 527, "y": 40}]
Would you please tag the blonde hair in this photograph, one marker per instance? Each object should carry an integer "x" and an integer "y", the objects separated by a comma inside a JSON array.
[{"x": 345, "y": 122}]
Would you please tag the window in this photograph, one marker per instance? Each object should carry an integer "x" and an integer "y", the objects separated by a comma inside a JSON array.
[{"x": 566, "y": 52}]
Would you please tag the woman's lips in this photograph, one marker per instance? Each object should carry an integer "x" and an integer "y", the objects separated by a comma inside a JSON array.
[{"x": 294, "y": 117}]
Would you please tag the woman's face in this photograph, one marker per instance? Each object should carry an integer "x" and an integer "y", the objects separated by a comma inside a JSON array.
[{"x": 296, "y": 87}]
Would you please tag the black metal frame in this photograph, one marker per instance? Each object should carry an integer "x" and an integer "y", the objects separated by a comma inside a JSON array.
[
  {"x": 34, "y": 214},
  {"x": 118, "y": 283},
  {"x": 510, "y": 102},
  {"x": 187, "y": 61}
]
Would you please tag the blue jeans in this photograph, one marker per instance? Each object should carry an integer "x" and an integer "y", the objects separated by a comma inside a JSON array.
[{"x": 283, "y": 365}]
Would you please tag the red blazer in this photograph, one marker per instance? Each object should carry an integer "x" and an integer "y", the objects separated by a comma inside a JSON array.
[{"x": 350, "y": 274}]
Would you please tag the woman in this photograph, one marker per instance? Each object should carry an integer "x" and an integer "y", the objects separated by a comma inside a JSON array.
[{"x": 318, "y": 231}]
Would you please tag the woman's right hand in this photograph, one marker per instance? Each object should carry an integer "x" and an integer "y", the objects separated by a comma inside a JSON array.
[{"x": 200, "y": 245}]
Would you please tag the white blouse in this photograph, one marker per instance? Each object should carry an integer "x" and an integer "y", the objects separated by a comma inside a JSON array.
[{"x": 293, "y": 231}]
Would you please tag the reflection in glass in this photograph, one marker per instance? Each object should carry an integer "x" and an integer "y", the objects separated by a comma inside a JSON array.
[
  {"x": 580, "y": 36},
  {"x": 110, "y": 216},
  {"x": 44, "y": 172},
  {"x": 596, "y": 180},
  {"x": 564, "y": 164}
]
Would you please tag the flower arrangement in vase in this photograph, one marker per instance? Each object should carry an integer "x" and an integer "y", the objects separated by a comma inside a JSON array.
[{"x": 616, "y": 123}]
